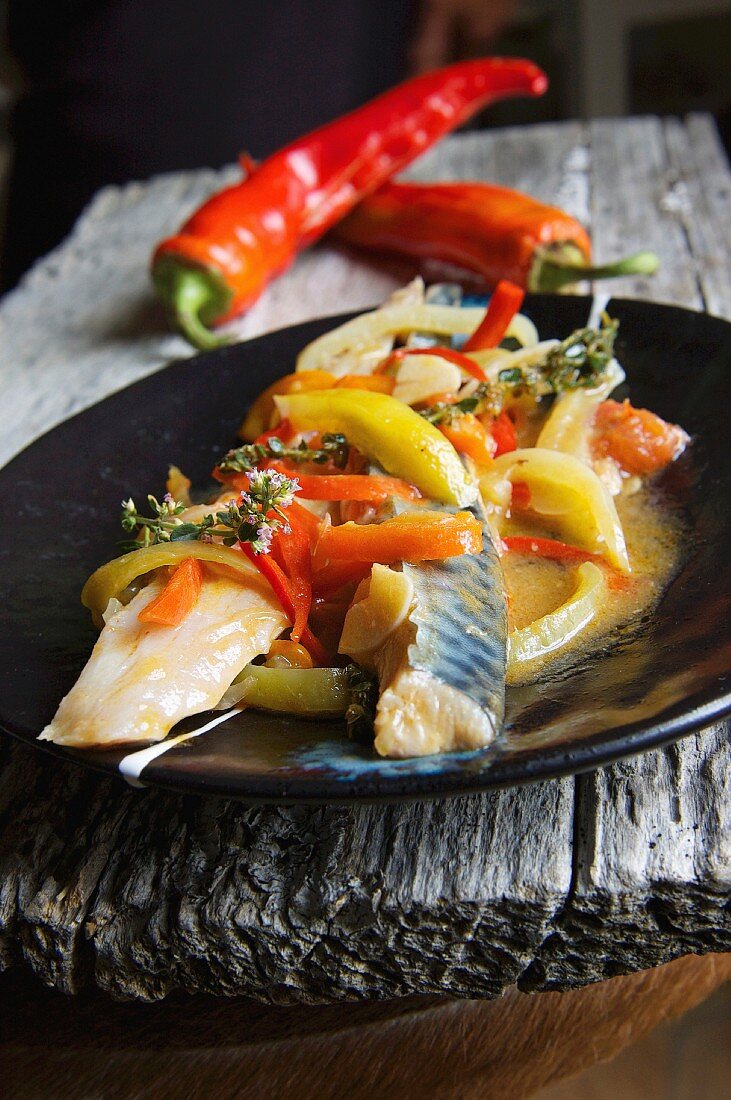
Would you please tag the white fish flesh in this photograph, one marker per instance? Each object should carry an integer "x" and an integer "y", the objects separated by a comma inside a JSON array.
[{"x": 142, "y": 678}]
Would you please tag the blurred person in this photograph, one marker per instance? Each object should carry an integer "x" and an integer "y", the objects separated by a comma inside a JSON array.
[{"x": 114, "y": 90}]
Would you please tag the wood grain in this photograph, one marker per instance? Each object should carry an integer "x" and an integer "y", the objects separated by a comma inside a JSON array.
[{"x": 550, "y": 886}]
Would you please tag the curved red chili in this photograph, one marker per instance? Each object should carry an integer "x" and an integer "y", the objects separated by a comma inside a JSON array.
[
  {"x": 494, "y": 231},
  {"x": 227, "y": 252}
]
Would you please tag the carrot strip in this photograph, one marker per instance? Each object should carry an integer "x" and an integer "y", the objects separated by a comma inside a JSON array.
[
  {"x": 178, "y": 597},
  {"x": 415, "y": 536},
  {"x": 291, "y": 551},
  {"x": 470, "y": 437}
]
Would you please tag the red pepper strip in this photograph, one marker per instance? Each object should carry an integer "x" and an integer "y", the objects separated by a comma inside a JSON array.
[
  {"x": 470, "y": 437},
  {"x": 520, "y": 497},
  {"x": 291, "y": 551},
  {"x": 548, "y": 548},
  {"x": 178, "y": 597},
  {"x": 375, "y": 489},
  {"x": 413, "y": 536},
  {"x": 281, "y": 588},
  {"x": 462, "y": 361},
  {"x": 494, "y": 231},
  {"x": 502, "y": 431},
  {"x": 562, "y": 551},
  {"x": 504, "y": 303},
  {"x": 311, "y": 523},
  {"x": 233, "y": 245},
  {"x": 283, "y": 431}
]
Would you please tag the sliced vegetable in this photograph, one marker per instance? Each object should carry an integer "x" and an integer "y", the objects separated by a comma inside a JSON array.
[
  {"x": 110, "y": 580},
  {"x": 365, "y": 330},
  {"x": 502, "y": 430},
  {"x": 291, "y": 551},
  {"x": 469, "y": 436},
  {"x": 288, "y": 597},
  {"x": 413, "y": 536},
  {"x": 385, "y": 429},
  {"x": 305, "y": 691},
  {"x": 637, "y": 439},
  {"x": 178, "y": 597},
  {"x": 505, "y": 301},
  {"x": 381, "y": 603},
  {"x": 419, "y": 377},
  {"x": 562, "y": 486},
  {"x": 288, "y": 654},
  {"x": 260, "y": 416},
  {"x": 378, "y": 383},
  {"x": 554, "y": 631},
  {"x": 375, "y": 488},
  {"x": 469, "y": 366},
  {"x": 547, "y": 548}
]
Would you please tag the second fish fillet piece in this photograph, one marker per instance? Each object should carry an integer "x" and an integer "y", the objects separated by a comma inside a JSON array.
[{"x": 141, "y": 678}]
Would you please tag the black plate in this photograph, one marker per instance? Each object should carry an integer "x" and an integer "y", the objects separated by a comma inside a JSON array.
[{"x": 60, "y": 505}]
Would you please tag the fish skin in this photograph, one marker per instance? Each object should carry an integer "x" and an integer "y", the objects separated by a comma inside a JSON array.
[
  {"x": 442, "y": 673},
  {"x": 142, "y": 678}
]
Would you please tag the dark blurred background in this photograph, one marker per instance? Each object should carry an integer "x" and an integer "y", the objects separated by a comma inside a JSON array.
[{"x": 102, "y": 91}]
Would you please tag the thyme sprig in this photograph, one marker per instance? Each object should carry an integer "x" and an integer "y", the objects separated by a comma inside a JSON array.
[
  {"x": 486, "y": 398},
  {"x": 578, "y": 361},
  {"x": 240, "y": 460},
  {"x": 253, "y": 517},
  {"x": 582, "y": 358}
]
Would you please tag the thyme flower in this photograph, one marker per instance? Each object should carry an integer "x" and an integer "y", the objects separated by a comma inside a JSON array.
[{"x": 253, "y": 517}]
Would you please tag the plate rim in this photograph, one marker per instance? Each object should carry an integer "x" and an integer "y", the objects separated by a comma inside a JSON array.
[{"x": 521, "y": 767}]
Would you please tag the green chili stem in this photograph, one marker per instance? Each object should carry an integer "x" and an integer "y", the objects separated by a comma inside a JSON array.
[{"x": 554, "y": 269}]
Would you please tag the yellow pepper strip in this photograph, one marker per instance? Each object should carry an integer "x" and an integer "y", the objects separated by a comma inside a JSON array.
[
  {"x": 561, "y": 485},
  {"x": 363, "y": 331},
  {"x": 306, "y": 691},
  {"x": 404, "y": 443},
  {"x": 552, "y": 632},
  {"x": 111, "y": 579},
  {"x": 259, "y": 418}
]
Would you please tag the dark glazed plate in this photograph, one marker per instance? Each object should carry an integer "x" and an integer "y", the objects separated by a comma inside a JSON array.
[{"x": 60, "y": 506}]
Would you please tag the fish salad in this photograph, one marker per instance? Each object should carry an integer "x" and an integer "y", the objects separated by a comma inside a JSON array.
[{"x": 435, "y": 503}]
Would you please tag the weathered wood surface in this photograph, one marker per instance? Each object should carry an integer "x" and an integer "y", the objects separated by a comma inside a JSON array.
[{"x": 550, "y": 886}]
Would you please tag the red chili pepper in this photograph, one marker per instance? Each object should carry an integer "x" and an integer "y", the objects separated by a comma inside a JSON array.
[
  {"x": 373, "y": 488},
  {"x": 494, "y": 231},
  {"x": 502, "y": 431},
  {"x": 504, "y": 303},
  {"x": 457, "y": 357},
  {"x": 233, "y": 245}
]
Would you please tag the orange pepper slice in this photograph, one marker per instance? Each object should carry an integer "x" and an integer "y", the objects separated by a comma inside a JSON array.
[
  {"x": 259, "y": 417},
  {"x": 414, "y": 536},
  {"x": 470, "y": 437}
]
